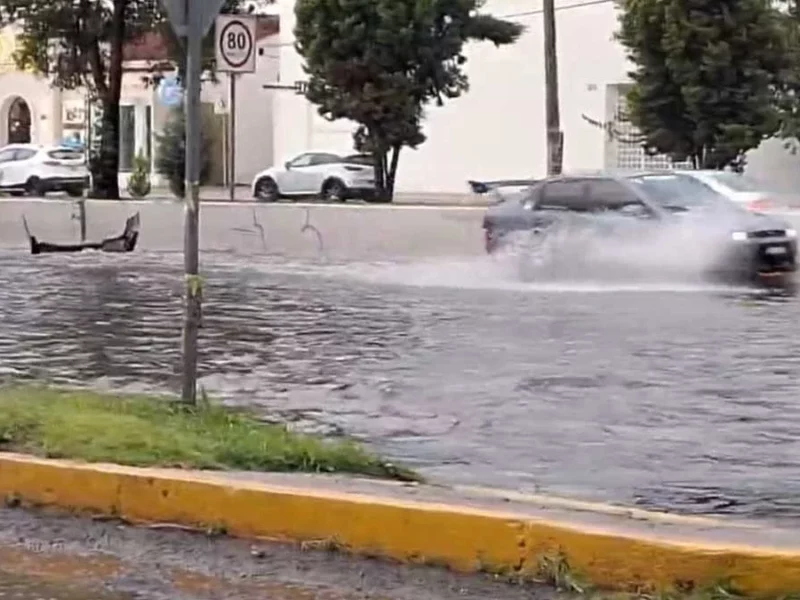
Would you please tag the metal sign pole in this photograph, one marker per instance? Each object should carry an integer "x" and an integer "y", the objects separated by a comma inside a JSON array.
[
  {"x": 236, "y": 53},
  {"x": 192, "y": 209},
  {"x": 232, "y": 136}
]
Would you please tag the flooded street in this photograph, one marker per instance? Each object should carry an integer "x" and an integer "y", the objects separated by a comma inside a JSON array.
[{"x": 676, "y": 396}]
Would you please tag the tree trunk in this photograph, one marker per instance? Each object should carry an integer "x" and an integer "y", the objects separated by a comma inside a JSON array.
[
  {"x": 391, "y": 175},
  {"x": 105, "y": 167}
]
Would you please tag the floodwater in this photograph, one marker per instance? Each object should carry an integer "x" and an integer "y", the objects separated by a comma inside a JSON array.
[{"x": 677, "y": 396}]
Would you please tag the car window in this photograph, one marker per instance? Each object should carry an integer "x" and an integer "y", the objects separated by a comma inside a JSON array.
[
  {"x": 564, "y": 195},
  {"x": 303, "y": 160},
  {"x": 24, "y": 154},
  {"x": 322, "y": 158},
  {"x": 361, "y": 159},
  {"x": 65, "y": 154},
  {"x": 6, "y": 155},
  {"x": 610, "y": 195},
  {"x": 676, "y": 192}
]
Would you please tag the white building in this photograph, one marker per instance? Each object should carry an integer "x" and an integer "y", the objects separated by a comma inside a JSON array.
[
  {"x": 497, "y": 129},
  {"x": 31, "y": 110}
]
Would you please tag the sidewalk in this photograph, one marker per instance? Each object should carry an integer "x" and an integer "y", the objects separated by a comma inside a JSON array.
[{"x": 465, "y": 529}]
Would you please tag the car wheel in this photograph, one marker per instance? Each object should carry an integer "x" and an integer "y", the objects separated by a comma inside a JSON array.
[
  {"x": 33, "y": 187},
  {"x": 267, "y": 190},
  {"x": 334, "y": 191}
]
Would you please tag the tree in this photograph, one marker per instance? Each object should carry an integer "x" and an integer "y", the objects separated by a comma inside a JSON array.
[
  {"x": 380, "y": 62},
  {"x": 79, "y": 44},
  {"x": 705, "y": 76},
  {"x": 788, "y": 91},
  {"x": 171, "y": 153}
]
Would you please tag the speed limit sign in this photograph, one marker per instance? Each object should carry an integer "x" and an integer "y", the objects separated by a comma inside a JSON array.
[{"x": 236, "y": 43}]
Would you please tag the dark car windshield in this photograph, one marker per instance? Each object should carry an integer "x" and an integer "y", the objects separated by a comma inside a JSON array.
[{"x": 676, "y": 192}]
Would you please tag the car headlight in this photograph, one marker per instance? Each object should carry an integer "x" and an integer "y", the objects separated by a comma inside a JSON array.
[
  {"x": 791, "y": 233},
  {"x": 739, "y": 236}
]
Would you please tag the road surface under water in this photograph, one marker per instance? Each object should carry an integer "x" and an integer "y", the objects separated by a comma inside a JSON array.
[{"x": 678, "y": 396}]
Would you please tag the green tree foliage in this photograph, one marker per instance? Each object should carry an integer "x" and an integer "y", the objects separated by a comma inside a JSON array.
[
  {"x": 79, "y": 44},
  {"x": 379, "y": 63},
  {"x": 171, "y": 154},
  {"x": 705, "y": 76},
  {"x": 788, "y": 92}
]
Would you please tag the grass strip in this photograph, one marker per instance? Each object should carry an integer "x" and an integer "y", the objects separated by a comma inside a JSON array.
[{"x": 149, "y": 431}]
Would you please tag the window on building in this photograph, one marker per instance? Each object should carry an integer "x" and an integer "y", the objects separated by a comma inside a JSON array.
[
  {"x": 627, "y": 152},
  {"x": 127, "y": 137}
]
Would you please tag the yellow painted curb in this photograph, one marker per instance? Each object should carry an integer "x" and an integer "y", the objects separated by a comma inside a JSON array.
[{"x": 466, "y": 538}]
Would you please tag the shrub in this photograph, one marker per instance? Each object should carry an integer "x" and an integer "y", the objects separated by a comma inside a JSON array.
[
  {"x": 171, "y": 154},
  {"x": 139, "y": 182}
]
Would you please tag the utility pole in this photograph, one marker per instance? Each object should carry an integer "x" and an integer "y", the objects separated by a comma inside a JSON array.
[
  {"x": 555, "y": 137},
  {"x": 191, "y": 20},
  {"x": 191, "y": 259}
]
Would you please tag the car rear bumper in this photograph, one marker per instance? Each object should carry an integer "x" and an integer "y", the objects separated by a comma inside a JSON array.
[{"x": 57, "y": 184}]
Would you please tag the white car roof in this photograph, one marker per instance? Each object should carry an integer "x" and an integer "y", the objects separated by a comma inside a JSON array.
[{"x": 35, "y": 147}]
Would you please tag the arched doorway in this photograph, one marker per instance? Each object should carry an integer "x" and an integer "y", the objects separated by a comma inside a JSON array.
[{"x": 19, "y": 122}]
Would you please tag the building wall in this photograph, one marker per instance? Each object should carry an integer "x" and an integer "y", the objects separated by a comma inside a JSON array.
[
  {"x": 56, "y": 114},
  {"x": 41, "y": 99},
  {"x": 497, "y": 129}
]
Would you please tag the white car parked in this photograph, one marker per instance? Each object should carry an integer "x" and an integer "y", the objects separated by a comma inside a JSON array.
[
  {"x": 323, "y": 175},
  {"x": 744, "y": 190},
  {"x": 36, "y": 170}
]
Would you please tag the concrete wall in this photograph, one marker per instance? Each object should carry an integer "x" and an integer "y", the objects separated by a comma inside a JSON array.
[
  {"x": 362, "y": 233},
  {"x": 294, "y": 231}
]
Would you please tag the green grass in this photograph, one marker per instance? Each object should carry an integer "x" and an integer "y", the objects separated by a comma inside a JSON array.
[{"x": 147, "y": 431}]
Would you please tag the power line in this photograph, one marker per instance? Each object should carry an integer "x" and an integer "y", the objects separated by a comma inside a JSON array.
[
  {"x": 519, "y": 15},
  {"x": 530, "y": 13}
]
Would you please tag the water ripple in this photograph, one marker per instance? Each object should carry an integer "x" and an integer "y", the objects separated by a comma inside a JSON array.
[{"x": 684, "y": 399}]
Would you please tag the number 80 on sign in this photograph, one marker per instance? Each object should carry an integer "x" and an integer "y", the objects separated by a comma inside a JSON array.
[{"x": 235, "y": 43}]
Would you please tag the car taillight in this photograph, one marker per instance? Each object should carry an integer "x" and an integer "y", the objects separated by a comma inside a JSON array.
[{"x": 761, "y": 204}]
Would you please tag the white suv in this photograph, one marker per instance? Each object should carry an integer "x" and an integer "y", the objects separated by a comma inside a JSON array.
[
  {"x": 36, "y": 170},
  {"x": 315, "y": 174}
]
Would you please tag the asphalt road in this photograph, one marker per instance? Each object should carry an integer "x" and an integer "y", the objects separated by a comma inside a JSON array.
[{"x": 65, "y": 558}]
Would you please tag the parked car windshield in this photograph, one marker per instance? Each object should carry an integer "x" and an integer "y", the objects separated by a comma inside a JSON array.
[
  {"x": 737, "y": 182},
  {"x": 676, "y": 192}
]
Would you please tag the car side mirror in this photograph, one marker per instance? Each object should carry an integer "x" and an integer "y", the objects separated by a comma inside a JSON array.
[{"x": 288, "y": 165}]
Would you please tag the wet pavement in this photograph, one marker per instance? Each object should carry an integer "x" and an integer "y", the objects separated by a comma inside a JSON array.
[
  {"x": 46, "y": 556},
  {"x": 678, "y": 396},
  {"x": 20, "y": 587}
]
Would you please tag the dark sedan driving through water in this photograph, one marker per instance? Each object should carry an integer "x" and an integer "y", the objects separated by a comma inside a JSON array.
[{"x": 640, "y": 208}]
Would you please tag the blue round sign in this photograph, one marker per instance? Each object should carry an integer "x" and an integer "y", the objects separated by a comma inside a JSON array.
[{"x": 170, "y": 92}]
